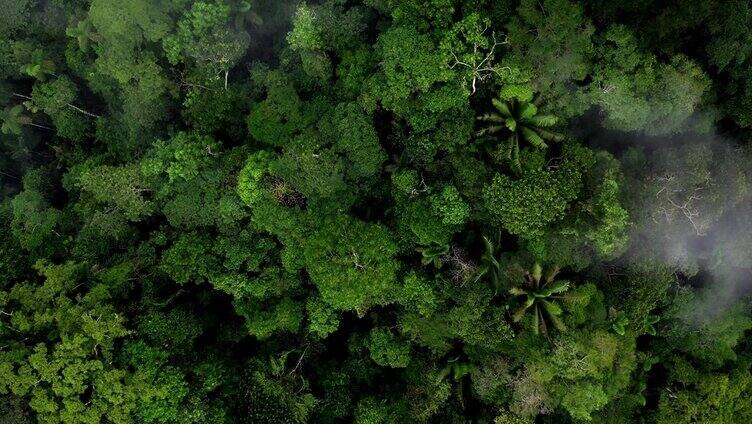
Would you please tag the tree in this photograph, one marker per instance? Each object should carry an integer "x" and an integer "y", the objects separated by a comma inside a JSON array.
[
  {"x": 682, "y": 196},
  {"x": 695, "y": 394},
  {"x": 35, "y": 223},
  {"x": 56, "y": 99},
  {"x": 83, "y": 32},
  {"x": 551, "y": 43},
  {"x": 352, "y": 264},
  {"x": 38, "y": 66},
  {"x": 489, "y": 264},
  {"x": 13, "y": 119},
  {"x": 693, "y": 320},
  {"x": 540, "y": 297},
  {"x": 204, "y": 34},
  {"x": 322, "y": 30},
  {"x": 638, "y": 93},
  {"x": 122, "y": 187},
  {"x": 81, "y": 331},
  {"x": 728, "y": 50},
  {"x": 522, "y": 121},
  {"x": 526, "y": 206},
  {"x": 281, "y": 115},
  {"x": 387, "y": 349}
]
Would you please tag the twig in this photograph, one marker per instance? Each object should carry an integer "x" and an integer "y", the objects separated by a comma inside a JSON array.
[{"x": 300, "y": 360}]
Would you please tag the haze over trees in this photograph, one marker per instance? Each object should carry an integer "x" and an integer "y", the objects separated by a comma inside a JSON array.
[{"x": 375, "y": 211}]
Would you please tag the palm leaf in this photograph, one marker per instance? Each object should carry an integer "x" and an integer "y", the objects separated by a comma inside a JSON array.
[
  {"x": 507, "y": 148},
  {"x": 520, "y": 313},
  {"x": 556, "y": 321},
  {"x": 552, "y": 308},
  {"x": 514, "y": 156},
  {"x": 489, "y": 247},
  {"x": 527, "y": 111},
  {"x": 13, "y": 119},
  {"x": 481, "y": 272},
  {"x": 537, "y": 273},
  {"x": 552, "y": 273},
  {"x": 533, "y": 138},
  {"x": 517, "y": 291},
  {"x": 543, "y": 120},
  {"x": 538, "y": 324},
  {"x": 549, "y": 135},
  {"x": 502, "y": 107},
  {"x": 557, "y": 287},
  {"x": 488, "y": 130},
  {"x": 491, "y": 117}
]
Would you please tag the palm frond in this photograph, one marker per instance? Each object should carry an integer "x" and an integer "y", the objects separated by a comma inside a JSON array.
[
  {"x": 502, "y": 107},
  {"x": 490, "y": 117},
  {"x": 537, "y": 272},
  {"x": 488, "y": 130},
  {"x": 520, "y": 313},
  {"x": 527, "y": 111},
  {"x": 552, "y": 273},
  {"x": 556, "y": 321},
  {"x": 555, "y": 288},
  {"x": 549, "y": 135},
  {"x": 517, "y": 291},
  {"x": 539, "y": 324},
  {"x": 543, "y": 120},
  {"x": 533, "y": 138},
  {"x": 551, "y": 307}
]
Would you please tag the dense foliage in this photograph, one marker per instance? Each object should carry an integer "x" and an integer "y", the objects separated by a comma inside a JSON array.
[{"x": 375, "y": 211}]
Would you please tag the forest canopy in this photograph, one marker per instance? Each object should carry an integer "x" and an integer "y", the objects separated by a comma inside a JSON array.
[{"x": 375, "y": 211}]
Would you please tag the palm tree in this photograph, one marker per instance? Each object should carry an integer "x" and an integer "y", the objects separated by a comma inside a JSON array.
[
  {"x": 83, "y": 32},
  {"x": 39, "y": 67},
  {"x": 433, "y": 254},
  {"x": 539, "y": 296},
  {"x": 489, "y": 265},
  {"x": 13, "y": 119},
  {"x": 457, "y": 372},
  {"x": 245, "y": 12},
  {"x": 521, "y": 121}
]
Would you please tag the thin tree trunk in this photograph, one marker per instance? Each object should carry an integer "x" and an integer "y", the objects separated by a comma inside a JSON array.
[
  {"x": 74, "y": 107},
  {"x": 40, "y": 126},
  {"x": 83, "y": 111}
]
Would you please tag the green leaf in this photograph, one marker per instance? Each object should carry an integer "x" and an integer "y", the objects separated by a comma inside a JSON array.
[
  {"x": 490, "y": 117},
  {"x": 549, "y": 135},
  {"x": 551, "y": 307},
  {"x": 520, "y": 313},
  {"x": 536, "y": 324},
  {"x": 493, "y": 129},
  {"x": 517, "y": 291},
  {"x": 537, "y": 272},
  {"x": 502, "y": 107},
  {"x": 556, "y": 287},
  {"x": 527, "y": 111},
  {"x": 543, "y": 120},
  {"x": 533, "y": 138},
  {"x": 556, "y": 321}
]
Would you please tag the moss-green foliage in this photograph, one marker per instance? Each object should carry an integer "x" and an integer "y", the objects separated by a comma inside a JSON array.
[
  {"x": 352, "y": 264},
  {"x": 540, "y": 197},
  {"x": 706, "y": 396},
  {"x": 387, "y": 350},
  {"x": 709, "y": 341},
  {"x": 375, "y": 211},
  {"x": 638, "y": 92}
]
